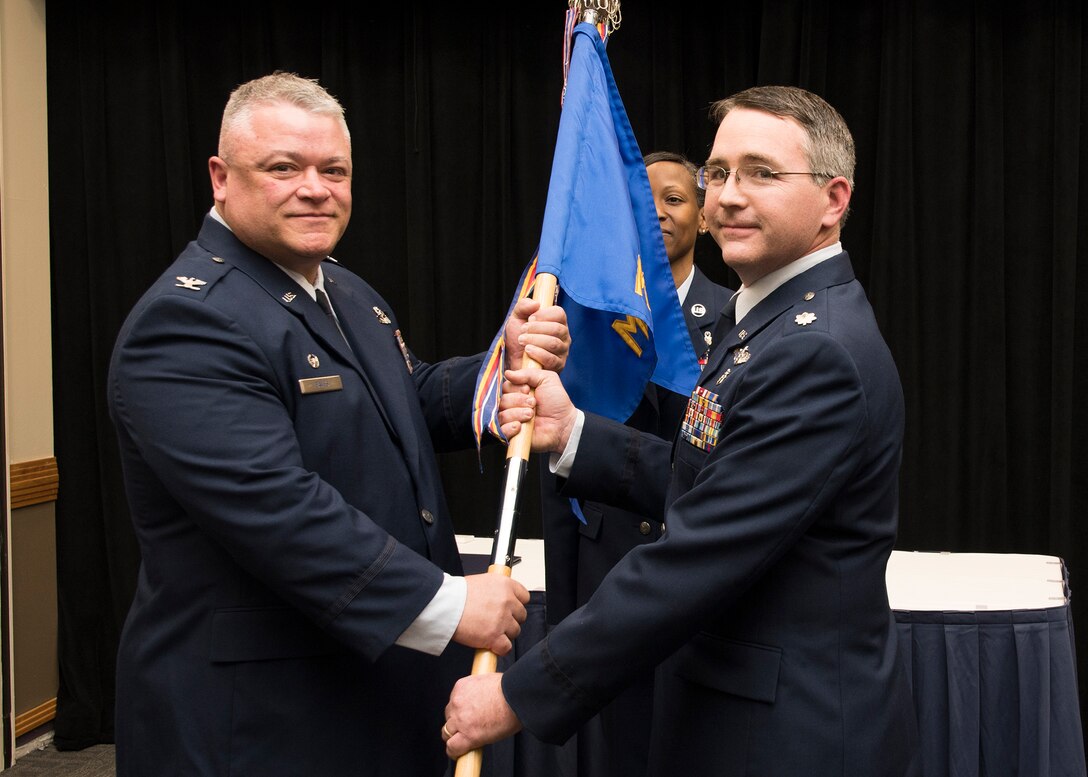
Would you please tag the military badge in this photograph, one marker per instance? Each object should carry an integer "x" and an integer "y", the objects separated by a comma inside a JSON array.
[
  {"x": 708, "y": 338},
  {"x": 804, "y": 319},
  {"x": 741, "y": 356},
  {"x": 403, "y": 349},
  {"x": 193, "y": 284},
  {"x": 702, "y": 419},
  {"x": 314, "y": 361}
]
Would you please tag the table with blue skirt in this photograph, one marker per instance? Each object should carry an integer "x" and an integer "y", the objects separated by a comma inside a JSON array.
[{"x": 987, "y": 639}]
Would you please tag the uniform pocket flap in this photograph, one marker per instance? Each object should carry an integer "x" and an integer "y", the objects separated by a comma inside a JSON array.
[
  {"x": 740, "y": 668},
  {"x": 593, "y": 515},
  {"x": 264, "y": 633}
]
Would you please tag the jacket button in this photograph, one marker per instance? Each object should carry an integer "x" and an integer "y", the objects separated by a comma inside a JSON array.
[
  {"x": 644, "y": 528},
  {"x": 427, "y": 515},
  {"x": 662, "y": 528}
]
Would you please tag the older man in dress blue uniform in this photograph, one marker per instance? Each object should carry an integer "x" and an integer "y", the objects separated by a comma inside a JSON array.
[{"x": 300, "y": 581}]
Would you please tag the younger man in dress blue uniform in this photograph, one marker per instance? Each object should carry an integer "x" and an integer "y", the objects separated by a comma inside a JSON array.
[{"x": 765, "y": 601}]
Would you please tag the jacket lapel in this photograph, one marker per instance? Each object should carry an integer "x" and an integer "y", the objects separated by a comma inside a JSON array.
[
  {"x": 220, "y": 241},
  {"x": 831, "y": 272},
  {"x": 371, "y": 332},
  {"x": 708, "y": 298}
]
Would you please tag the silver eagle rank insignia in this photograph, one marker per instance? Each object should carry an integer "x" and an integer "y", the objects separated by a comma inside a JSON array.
[{"x": 193, "y": 284}]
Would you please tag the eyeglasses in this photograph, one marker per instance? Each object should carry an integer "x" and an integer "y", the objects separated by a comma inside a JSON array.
[{"x": 711, "y": 176}]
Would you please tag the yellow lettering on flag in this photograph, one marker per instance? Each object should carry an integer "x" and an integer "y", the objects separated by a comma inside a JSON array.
[
  {"x": 627, "y": 328},
  {"x": 640, "y": 281}
]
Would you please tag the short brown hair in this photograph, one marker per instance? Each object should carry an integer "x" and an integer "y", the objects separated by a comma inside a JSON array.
[{"x": 830, "y": 147}]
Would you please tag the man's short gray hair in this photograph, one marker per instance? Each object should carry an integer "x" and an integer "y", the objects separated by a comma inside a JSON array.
[{"x": 279, "y": 87}]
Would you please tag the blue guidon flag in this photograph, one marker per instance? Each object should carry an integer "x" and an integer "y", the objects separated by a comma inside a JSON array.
[{"x": 602, "y": 241}]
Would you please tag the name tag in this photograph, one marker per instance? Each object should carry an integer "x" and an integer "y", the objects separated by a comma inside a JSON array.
[{"x": 318, "y": 385}]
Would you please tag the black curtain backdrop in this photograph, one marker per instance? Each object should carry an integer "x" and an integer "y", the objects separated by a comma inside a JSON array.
[{"x": 968, "y": 224}]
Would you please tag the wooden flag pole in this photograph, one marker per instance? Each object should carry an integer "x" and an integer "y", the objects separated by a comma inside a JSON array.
[{"x": 502, "y": 552}]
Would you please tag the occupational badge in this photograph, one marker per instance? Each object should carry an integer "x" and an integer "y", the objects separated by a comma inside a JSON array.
[
  {"x": 708, "y": 338},
  {"x": 741, "y": 356}
]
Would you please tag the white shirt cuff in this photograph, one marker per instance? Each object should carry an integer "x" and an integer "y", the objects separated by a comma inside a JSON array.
[
  {"x": 561, "y": 464},
  {"x": 433, "y": 628}
]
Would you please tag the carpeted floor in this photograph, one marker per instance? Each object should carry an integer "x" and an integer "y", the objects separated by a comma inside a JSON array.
[{"x": 94, "y": 761}]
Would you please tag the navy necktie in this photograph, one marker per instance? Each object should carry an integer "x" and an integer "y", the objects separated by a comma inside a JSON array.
[
  {"x": 326, "y": 305},
  {"x": 726, "y": 320}
]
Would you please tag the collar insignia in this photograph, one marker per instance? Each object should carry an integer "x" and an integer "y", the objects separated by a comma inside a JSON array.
[
  {"x": 193, "y": 284},
  {"x": 288, "y": 296}
]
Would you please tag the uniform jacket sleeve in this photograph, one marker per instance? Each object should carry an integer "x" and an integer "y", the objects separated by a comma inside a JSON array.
[{"x": 793, "y": 439}]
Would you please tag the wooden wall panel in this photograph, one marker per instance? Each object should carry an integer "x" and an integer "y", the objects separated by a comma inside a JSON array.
[{"x": 34, "y": 482}]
